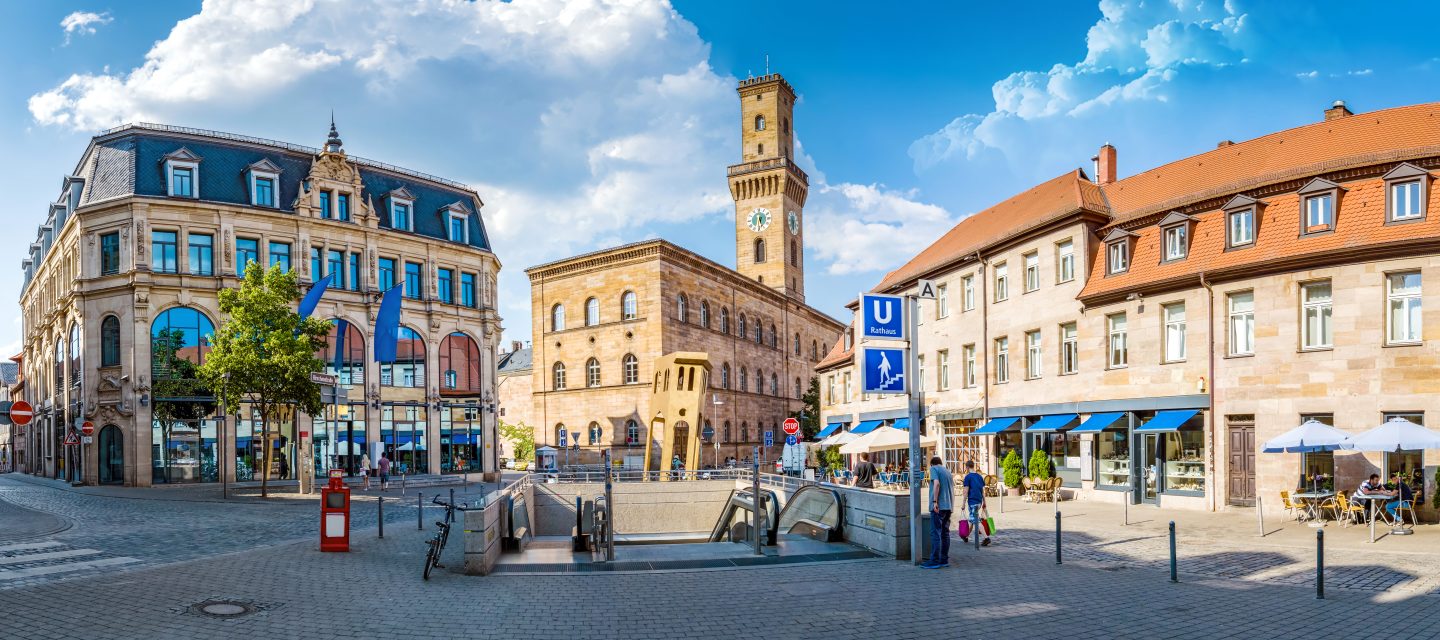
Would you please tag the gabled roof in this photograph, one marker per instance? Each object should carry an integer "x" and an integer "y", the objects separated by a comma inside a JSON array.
[
  {"x": 183, "y": 154},
  {"x": 264, "y": 165},
  {"x": 1174, "y": 218},
  {"x": 1239, "y": 202},
  {"x": 401, "y": 194},
  {"x": 1319, "y": 184},
  {"x": 1119, "y": 234},
  {"x": 457, "y": 206},
  {"x": 838, "y": 355},
  {"x": 1405, "y": 170}
]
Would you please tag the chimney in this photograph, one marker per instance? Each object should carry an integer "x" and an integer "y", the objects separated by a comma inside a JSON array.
[
  {"x": 1105, "y": 165},
  {"x": 1337, "y": 110},
  {"x": 1223, "y": 144},
  {"x": 516, "y": 345}
]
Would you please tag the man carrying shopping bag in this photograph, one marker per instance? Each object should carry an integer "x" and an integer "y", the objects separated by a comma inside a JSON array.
[
  {"x": 942, "y": 504},
  {"x": 975, "y": 499}
]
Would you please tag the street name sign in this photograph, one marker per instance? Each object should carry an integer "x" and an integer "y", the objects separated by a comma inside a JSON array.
[
  {"x": 882, "y": 316},
  {"x": 325, "y": 379},
  {"x": 883, "y": 370}
]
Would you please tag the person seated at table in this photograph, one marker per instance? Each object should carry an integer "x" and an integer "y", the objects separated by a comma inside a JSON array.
[
  {"x": 1372, "y": 487},
  {"x": 1403, "y": 498}
]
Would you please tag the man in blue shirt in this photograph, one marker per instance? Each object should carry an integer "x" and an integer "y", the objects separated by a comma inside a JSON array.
[
  {"x": 975, "y": 500},
  {"x": 942, "y": 504}
]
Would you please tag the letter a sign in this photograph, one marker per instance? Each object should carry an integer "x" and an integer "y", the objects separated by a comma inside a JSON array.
[
  {"x": 882, "y": 316},
  {"x": 925, "y": 289}
]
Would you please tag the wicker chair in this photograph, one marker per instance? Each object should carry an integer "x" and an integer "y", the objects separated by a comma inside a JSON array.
[{"x": 992, "y": 486}]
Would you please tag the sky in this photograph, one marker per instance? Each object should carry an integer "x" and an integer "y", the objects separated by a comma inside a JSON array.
[{"x": 588, "y": 124}]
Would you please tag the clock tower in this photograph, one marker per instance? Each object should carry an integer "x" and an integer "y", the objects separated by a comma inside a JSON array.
[{"x": 769, "y": 190}]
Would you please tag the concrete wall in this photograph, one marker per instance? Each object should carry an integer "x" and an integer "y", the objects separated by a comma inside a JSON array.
[
  {"x": 876, "y": 520},
  {"x": 640, "y": 507},
  {"x": 485, "y": 528}
]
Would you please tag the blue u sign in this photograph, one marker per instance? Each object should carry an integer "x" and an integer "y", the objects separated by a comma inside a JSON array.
[
  {"x": 882, "y": 316},
  {"x": 884, "y": 370}
]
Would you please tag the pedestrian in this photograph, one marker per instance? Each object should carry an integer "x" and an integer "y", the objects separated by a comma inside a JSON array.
[
  {"x": 942, "y": 504},
  {"x": 384, "y": 465},
  {"x": 975, "y": 502},
  {"x": 865, "y": 472},
  {"x": 365, "y": 471}
]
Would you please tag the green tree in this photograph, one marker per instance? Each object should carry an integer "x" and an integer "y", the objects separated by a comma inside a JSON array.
[
  {"x": 522, "y": 439},
  {"x": 832, "y": 459},
  {"x": 809, "y": 415},
  {"x": 1012, "y": 468},
  {"x": 179, "y": 396},
  {"x": 1040, "y": 465},
  {"x": 264, "y": 352}
]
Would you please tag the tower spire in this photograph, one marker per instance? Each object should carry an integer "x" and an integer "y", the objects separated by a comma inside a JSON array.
[{"x": 333, "y": 144}]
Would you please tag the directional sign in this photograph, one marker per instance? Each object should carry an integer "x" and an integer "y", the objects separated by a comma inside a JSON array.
[
  {"x": 792, "y": 426},
  {"x": 325, "y": 379},
  {"x": 20, "y": 412},
  {"x": 708, "y": 433},
  {"x": 790, "y": 441},
  {"x": 882, "y": 316},
  {"x": 564, "y": 438},
  {"x": 884, "y": 370},
  {"x": 769, "y": 438},
  {"x": 5, "y": 412},
  {"x": 88, "y": 428},
  {"x": 925, "y": 289}
]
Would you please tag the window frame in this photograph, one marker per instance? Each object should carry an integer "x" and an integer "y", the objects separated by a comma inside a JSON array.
[
  {"x": 205, "y": 251},
  {"x": 1034, "y": 354},
  {"x": 1325, "y": 313},
  {"x": 1002, "y": 359},
  {"x": 1117, "y": 257},
  {"x": 629, "y": 305},
  {"x": 172, "y": 265},
  {"x": 942, "y": 370},
  {"x": 467, "y": 289},
  {"x": 1231, "y": 315},
  {"x": 1032, "y": 271},
  {"x": 1002, "y": 282},
  {"x": 1176, "y": 240},
  {"x": 418, "y": 273},
  {"x": 967, "y": 293},
  {"x": 592, "y": 373},
  {"x": 110, "y": 341},
  {"x": 1065, "y": 261},
  {"x": 464, "y": 220},
  {"x": 256, "y": 176},
  {"x": 968, "y": 373},
  {"x": 342, "y": 206},
  {"x": 109, "y": 248},
  {"x": 326, "y": 199},
  {"x": 1391, "y": 298},
  {"x": 942, "y": 302},
  {"x": 1069, "y": 348},
  {"x": 630, "y": 369},
  {"x": 592, "y": 311},
  {"x": 193, "y": 167},
  {"x": 445, "y": 285},
  {"x": 1117, "y": 341},
  {"x": 557, "y": 317},
  {"x": 1168, "y": 326},
  {"x": 241, "y": 259},
  {"x": 1230, "y": 227},
  {"x": 1403, "y": 174},
  {"x": 385, "y": 266},
  {"x": 271, "y": 254}
]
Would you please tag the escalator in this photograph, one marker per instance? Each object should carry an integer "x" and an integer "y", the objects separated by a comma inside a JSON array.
[
  {"x": 812, "y": 512},
  {"x": 742, "y": 503}
]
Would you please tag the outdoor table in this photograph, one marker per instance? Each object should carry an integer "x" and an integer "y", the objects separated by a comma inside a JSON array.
[
  {"x": 1312, "y": 501},
  {"x": 1372, "y": 498}
]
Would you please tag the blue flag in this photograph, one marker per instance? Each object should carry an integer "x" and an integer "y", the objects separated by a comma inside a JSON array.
[
  {"x": 339, "y": 345},
  {"x": 387, "y": 326},
  {"x": 312, "y": 297}
]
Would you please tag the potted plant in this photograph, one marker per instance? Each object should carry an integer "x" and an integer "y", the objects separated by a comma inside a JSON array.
[
  {"x": 1040, "y": 465},
  {"x": 1011, "y": 467}
]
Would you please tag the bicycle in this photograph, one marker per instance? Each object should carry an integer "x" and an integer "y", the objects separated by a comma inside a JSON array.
[{"x": 437, "y": 542}]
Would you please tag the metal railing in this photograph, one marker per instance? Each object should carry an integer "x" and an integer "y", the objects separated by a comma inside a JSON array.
[{"x": 636, "y": 475}]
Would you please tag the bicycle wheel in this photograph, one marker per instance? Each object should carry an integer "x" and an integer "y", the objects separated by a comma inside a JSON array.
[{"x": 430, "y": 559}]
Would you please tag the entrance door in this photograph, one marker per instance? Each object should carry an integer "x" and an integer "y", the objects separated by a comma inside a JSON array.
[
  {"x": 1242, "y": 464},
  {"x": 112, "y": 456},
  {"x": 1150, "y": 468}
]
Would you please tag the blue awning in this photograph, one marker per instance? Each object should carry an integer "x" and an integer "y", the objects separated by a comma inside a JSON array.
[
  {"x": 1051, "y": 423},
  {"x": 996, "y": 426},
  {"x": 1167, "y": 421},
  {"x": 866, "y": 427},
  {"x": 825, "y": 433},
  {"x": 1097, "y": 422},
  {"x": 902, "y": 424}
]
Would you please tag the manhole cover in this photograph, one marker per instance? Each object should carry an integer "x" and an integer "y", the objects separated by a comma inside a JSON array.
[{"x": 225, "y": 608}]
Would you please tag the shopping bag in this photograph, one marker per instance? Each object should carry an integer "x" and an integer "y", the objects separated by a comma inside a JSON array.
[
  {"x": 964, "y": 529},
  {"x": 988, "y": 524}
]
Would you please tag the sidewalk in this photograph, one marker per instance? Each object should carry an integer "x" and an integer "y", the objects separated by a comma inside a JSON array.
[{"x": 281, "y": 491}]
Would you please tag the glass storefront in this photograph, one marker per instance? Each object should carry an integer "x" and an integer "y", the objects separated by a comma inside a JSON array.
[
  {"x": 339, "y": 445},
  {"x": 1185, "y": 458},
  {"x": 460, "y": 439},
  {"x": 1007, "y": 441},
  {"x": 184, "y": 451},
  {"x": 1064, "y": 451},
  {"x": 402, "y": 433},
  {"x": 1112, "y": 457},
  {"x": 249, "y": 443}
]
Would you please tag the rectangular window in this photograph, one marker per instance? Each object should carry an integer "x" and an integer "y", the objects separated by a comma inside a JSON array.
[
  {"x": 325, "y": 205},
  {"x": 1174, "y": 332},
  {"x": 163, "y": 252},
  {"x": 1242, "y": 228},
  {"x": 969, "y": 373},
  {"x": 1002, "y": 360},
  {"x": 1002, "y": 282},
  {"x": 1316, "y": 305},
  {"x": 342, "y": 207},
  {"x": 335, "y": 266},
  {"x": 387, "y": 274},
  {"x": 830, "y": 389},
  {"x": 1404, "y": 319},
  {"x": 247, "y": 250},
  {"x": 1069, "y": 349},
  {"x": 1032, "y": 354},
  {"x": 413, "y": 282},
  {"x": 280, "y": 254},
  {"x": 1242, "y": 323},
  {"x": 182, "y": 182},
  {"x": 457, "y": 228},
  {"x": 1065, "y": 261},
  {"x": 1119, "y": 342},
  {"x": 848, "y": 388},
  {"x": 967, "y": 293},
  {"x": 317, "y": 266},
  {"x": 354, "y": 280},
  {"x": 942, "y": 369},
  {"x": 1175, "y": 246},
  {"x": 1032, "y": 272},
  {"x": 264, "y": 192},
  {"x": 1405, "y": 200},
  {"x": 942, "y": 301},
  {"x": 467, "y": 289},
  {"x": 1319, "y": 213},
  {"x": 110, "y": 254},
  {"x": 400, "y": 216},
  {"x": 202, "y": 254},
  {"x": 1119, "y": 253},
  {"x": 444, "y": 283}
]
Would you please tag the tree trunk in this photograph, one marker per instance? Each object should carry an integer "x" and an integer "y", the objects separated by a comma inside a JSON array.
[{"x": 264, "y": 450}]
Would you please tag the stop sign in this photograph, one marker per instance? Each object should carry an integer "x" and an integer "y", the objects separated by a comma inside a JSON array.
[
  {"x": 88, "y": 428},
  {"x": 791, "y": 426},
  {"x": 20, "y": 412}
]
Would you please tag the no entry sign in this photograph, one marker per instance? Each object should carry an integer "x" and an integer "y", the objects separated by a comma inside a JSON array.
[
  {"x": 20, "y": 412},
  {"x": 88, "y": 428}
]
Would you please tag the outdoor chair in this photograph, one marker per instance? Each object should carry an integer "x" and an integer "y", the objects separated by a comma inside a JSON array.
[
  {"x": 1295, "y": 510},
  {"x": 1347, "y": 511},
  {"x": 1055, "y": 484},
  {"x": 992, "y": 486},
  {"x": 1028, "y": 489},
  {"x": 1407, "y": 506}
]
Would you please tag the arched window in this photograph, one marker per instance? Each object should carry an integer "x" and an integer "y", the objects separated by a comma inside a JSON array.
[
  {"x": 705, "y": 313},
  {"x": 725, "y": 376},
  {"x": 558, "y": 376},
  {"x": 409, "y": 367},
  {"x": 741, "y": 332},
  {"x": 814, "y": 350},
  {"x": 774, "y": 384},
  {"x": 794, "y": 253},
  {"x": 559, "y": 429},
  {"x": 797, "y": 344},
  {"x": 344, "y": 355},
  {"x": 726, "y": 432},
  {"x": 631, "y": 365},
  {"x": 725, "y": 320},
  {"x": 60, "y": 364},
  {"x": 592, "y": 312},
  {"x": 592, "y": 373},
  {"x": 798, "y": 392},
  {"x": 744, "y": 432},
  {"x": 180, "y": 333},
  {"x": 632, "y": 432},
  {"x": 460, "y": 362},
  {"x": 75, "y": 352},
  {"x": 682, "y": 308},
  {"x": 759, "y": 381},
  {"x": 708, "y": 432},
  {"x": 629, "y": 306},
  {"x": 759, "y": 250},
  {"x": 774, "y": 340},
  {"x": 595, "y": 433},
  {"x": 759, "y": 332},
  {"x": 110, "y": 342},
  {"x": 760, "y": 123},
  {"x": 557, "y": 317},
  {"x": 744, "y": 380}
]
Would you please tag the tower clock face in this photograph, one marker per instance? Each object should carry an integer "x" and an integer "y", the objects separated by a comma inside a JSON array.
[
  {"x": 794, "y": 220},
  {"x": 759, "y": 219}
]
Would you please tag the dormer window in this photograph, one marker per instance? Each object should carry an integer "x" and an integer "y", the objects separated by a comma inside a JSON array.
[
  {"x": 1406, "y": 187},
  {"x": 264, "y": 184},
  {"x": 402, "y": 208},
  {"x": 182, "y": 174},
  {"x": 1319, "y": 200},
  {"x": 457, "y": 222},
  {"x": 1175, "y": 234},
  {"x": 1117, "y": 251},
  {"x": 457, "y": 232},
  {"x": 1241, "y": 221}
]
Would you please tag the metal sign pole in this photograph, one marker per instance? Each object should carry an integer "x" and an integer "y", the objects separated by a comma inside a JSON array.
[
  {"x": 755, "y": 504},
  {"x": 912, "y": 304}
]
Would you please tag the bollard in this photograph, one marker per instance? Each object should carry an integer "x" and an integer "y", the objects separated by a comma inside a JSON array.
[
  {"x": 975, "y": 527},
  {"x": 402, "y": 484},
  {"x": 380, "y": 515},
  {"x": 1057, "y": 537},
  {"x": 1319, "y": 564},
  {"x": 1174, "y": 576},
  {"x": 452, "y": 497},
  {"x": 1003, "y": 491},
  {"x": 420, "y": 510},
  {"x": 1260, "y": 514},
  {"x": 1128, "y": 497}
]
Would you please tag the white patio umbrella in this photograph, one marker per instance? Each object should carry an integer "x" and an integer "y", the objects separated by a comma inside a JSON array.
[
  {"x": 1307, "y": 438},
  {"x": 838, "y": 438},
  {"x": 1397, "y": 434},
  {"x": 884, "y": 439}
]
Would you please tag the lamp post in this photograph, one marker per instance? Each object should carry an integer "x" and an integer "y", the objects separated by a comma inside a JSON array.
[{"x": 224, "y": 423}]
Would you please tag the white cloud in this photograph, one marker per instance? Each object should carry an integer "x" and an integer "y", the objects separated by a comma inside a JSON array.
[
  {"x": 859, "y": 228},
  {"x": 83, "y": 23},
  {"x": 1308, "y": 75},
  {"x": 1133, "y": 53}
]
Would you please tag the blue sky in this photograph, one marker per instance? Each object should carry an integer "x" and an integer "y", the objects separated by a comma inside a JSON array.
[{"x": 589, "y": 124}]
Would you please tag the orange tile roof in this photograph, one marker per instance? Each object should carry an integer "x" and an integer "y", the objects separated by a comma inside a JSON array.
[
  {"x": 838, "y": 355},
  {"x": 1362, "y": 139},
  {"x": 1059, "y": 196}
]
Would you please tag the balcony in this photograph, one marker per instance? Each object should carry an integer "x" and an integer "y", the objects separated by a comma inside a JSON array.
[{"x": 765, "y": 165}]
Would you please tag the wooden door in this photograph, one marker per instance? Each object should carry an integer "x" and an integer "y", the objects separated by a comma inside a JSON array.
[{"x": 1242, "y": 464}]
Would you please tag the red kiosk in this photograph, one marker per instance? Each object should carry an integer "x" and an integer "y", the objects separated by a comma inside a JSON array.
[{"x": 335, "y": 513}]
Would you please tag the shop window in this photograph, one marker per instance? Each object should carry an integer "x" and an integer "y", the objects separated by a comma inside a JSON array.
[
  {"x": 1407, "y": 465},
  {"x": 1112, "y": 456},
  {"x": 460, "y": 360},
  {"x": 1317, "y": 467},
  {"x": 408, "y": 370}
]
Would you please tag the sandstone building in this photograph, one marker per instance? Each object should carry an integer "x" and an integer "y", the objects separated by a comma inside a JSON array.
[{"x": 601, "y": 319}]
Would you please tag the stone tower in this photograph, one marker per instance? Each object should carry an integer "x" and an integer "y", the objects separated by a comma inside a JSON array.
[{"x": 769, "y": 190}]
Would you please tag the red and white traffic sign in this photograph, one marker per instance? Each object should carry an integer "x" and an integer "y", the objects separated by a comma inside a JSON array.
[
  {"x": 20, "y": 412},
  {"x": 88, "y": 428},
  {"x": 72, "y": 439},
  {"x": 791, "y": 426}
]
